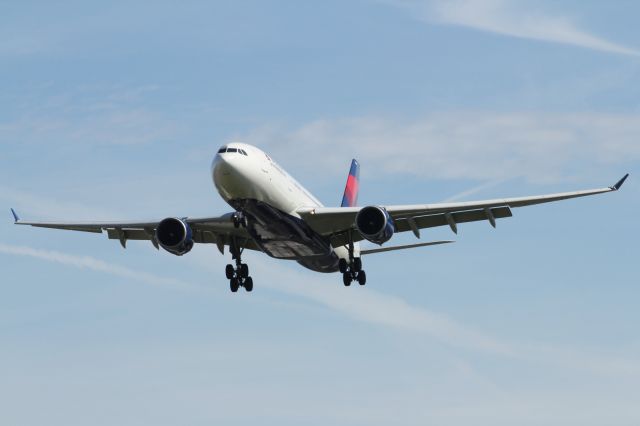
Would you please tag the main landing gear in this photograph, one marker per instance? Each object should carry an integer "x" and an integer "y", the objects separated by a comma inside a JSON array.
[
  {"x": 352, "y": 270},
  {"x": 238, "y": 276}
]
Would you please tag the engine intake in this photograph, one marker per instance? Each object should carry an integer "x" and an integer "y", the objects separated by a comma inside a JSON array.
[
  {"x": 175, "y": 236},
  {"x": 375, "y": 224}
]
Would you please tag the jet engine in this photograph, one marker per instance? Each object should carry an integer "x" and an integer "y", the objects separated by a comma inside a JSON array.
[
  {"x": 175, "y": 236},
  {"x": 375, "y": 224}
]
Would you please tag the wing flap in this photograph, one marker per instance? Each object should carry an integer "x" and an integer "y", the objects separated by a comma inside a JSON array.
[
  {"x": 128, "y": 234},
  {"x": 68, "y": 227},
  {"x": 431, "y": 221},
  {"x": 90, "y": 226}
]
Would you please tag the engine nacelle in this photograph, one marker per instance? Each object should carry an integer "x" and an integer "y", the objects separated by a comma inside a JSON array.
[
  {"x": 375, "y": 224},
  {"x": 175, "y": 236}
]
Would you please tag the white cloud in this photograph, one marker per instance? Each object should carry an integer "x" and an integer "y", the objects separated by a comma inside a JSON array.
[
  {"x": 510, "y": 18},
  {"x": 124, "y": 126},
  {"x": 91, "y": 263},
  {"x": 365, "y": 305},
  {"x": 39, "y": 204},
  {"x": 370, "y": 306},
  {"x": 98, "y": 115},
  {"x": 541, "y": 147},
  {"x": 474, "y": 190},
  {"x": 373, "y": 307}
]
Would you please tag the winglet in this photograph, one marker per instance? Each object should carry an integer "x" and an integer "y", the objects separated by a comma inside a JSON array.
[
  {"x": 620, "y": 182},
  {"x": 16, "y": 218}
]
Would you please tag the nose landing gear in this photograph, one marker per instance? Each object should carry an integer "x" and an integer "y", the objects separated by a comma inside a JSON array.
[
  {"x": 239, "y": 219},
  {"x": 238, "y": 276}
]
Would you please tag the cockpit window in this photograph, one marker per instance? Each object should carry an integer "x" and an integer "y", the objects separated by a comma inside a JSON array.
[{"x": 238, "y": 150}]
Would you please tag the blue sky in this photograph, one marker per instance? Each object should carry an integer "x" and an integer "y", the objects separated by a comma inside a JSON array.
[{"x": 115, "y": 110}]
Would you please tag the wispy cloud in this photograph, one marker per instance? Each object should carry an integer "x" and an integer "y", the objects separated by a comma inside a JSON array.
[
  {"x": 376, "y": 308},
  {"x": 373, "y": 307},
  {"x": 364, "y": 305},
  {"x": 474, "y": 190},
  {"x": 86, "y": 116},
  {"x": 510, "y": 18},
  {"x": 91, "y": 263},
  {"x": 32, "y": 203},
  {"x": 125, "y": 126},
  {"x": 541, "y": 147}
]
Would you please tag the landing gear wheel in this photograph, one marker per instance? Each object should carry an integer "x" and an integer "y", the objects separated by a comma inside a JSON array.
[
  {"x": 229, "y": 271},
  {"x": 362, "y": 278},
  {"x": 357, "y": 264},
  {"x": 351, "y": 269},
  {"x": 234, "y": 284},
  {"x": 346, "y": 279},
  {"x": 238, "y": 275},
  {"x": 248, "y": 284},
  {"x": 244, "y": 270}
]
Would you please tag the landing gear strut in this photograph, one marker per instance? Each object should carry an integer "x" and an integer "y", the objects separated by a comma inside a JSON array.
[
  {"x": 238, "y": 276},
  {"x": 239, "y": 219},
  {"x": 352, "y": 270}
]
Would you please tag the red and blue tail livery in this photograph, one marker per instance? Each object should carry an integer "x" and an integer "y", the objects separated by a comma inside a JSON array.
[{"x": 350, "y": 197}]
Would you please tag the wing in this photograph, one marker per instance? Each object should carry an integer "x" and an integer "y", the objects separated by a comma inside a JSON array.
[
  {"x": 338, "y": 223},
  {"x": 206, "y": 230}
]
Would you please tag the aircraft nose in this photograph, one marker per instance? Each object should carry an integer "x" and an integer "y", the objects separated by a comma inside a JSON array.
[
  {"x": 230, "y": 176},
  {"x": 221, "y": 165},
  {"x": 226, "y": 168}
]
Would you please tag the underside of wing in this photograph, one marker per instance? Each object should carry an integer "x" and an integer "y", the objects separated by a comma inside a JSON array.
[
  {"x": 339, "y": 224},
  {"x": 206, "y": 230}
]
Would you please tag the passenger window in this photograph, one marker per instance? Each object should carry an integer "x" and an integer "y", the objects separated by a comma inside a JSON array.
[
  {"x": 232, "y": 149},
  {"x": 222, "y": 150}
]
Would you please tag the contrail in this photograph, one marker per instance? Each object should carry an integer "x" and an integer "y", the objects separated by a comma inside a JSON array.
[
  {"x": 474, "y": 190},
  {"x": 371, "y": 307},
  {"x": 87, "y": 262}
]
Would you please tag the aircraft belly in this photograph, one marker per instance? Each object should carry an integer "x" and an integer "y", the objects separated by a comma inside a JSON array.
[
  {"x": 287, "y": 249},
  {"x": 283, "y": 236}
]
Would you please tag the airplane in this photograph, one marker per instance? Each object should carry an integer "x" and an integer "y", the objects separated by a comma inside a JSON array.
[{"x": 276, "y": 215}]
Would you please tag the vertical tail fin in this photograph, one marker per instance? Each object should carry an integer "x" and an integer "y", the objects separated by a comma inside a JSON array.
[{"x": 350, "y": 197}]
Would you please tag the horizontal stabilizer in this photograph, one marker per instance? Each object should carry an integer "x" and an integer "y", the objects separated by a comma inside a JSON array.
[{"x": 408, "y": 246}]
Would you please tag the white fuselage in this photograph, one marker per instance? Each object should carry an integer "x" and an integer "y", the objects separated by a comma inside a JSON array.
[
  {"x": 257, "y": 176},
  {"x": 245, "y": 173}
]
